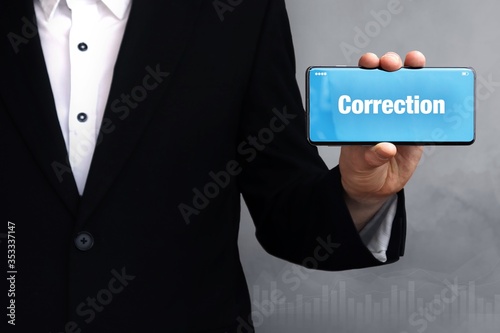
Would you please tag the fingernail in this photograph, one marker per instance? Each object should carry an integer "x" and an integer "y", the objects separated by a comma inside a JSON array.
[
  {"x": 380, "y": 157},
  {"x": 392, "y": 55}
]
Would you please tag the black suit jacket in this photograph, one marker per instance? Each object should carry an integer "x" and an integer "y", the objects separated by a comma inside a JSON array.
[{"x": 203, "y": 107}]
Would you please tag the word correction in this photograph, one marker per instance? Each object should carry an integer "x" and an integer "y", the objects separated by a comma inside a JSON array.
[{"x": 410, "y": 105}]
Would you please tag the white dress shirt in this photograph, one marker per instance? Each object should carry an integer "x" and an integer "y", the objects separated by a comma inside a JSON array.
[{"x": 80, "y": 42}]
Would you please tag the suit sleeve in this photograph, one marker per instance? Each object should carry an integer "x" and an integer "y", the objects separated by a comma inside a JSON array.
[{"x": 296, "y": 203}]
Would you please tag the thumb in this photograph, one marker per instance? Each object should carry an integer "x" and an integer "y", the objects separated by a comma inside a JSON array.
[{"x": 380, "y": 154}]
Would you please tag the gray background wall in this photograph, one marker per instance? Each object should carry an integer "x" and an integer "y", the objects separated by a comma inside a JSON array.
[{"x": 449, "y": 279}]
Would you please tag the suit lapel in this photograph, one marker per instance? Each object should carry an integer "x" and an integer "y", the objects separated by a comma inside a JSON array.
[
  {"x": 25, "y": 88},
  {"x": 156, "y": 35}
]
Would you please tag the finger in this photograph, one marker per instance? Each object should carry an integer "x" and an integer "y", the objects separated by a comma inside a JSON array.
[
  {"x": 415, "y": 59},
  {"x": 380, "y": 154},
  {"x": 369, "y": 60},
  {"x": 390, "y": 62}
]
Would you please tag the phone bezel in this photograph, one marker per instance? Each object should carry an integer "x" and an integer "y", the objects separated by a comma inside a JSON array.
[{"x": 406, "y": 143}]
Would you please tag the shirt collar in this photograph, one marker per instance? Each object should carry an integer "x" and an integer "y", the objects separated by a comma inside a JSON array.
[
  {"x": 49, "y": 7},
  {"x": 117, "y": 7}
]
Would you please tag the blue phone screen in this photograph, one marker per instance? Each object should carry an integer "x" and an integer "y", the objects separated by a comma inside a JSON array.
[{"x": 411, "y": 106}]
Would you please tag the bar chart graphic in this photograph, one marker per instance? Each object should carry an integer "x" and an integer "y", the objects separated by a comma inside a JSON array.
[{"x": 401, "y": 307}]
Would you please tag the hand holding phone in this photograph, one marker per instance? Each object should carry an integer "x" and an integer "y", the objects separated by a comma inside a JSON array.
[{"x": 372, "y": 174}]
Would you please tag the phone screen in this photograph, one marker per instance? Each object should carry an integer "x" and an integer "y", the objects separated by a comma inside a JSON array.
[{"x": 428, "y": 106}]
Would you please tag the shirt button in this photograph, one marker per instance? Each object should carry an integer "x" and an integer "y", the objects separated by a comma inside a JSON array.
[
  {"x": 82, "y": 117},
  {"x": 83, "y": 47},
  {"x": 84, "y": 241}
]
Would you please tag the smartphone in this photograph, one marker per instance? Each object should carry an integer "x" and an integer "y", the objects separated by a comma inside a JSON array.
[{"x": 424, "y": 106}]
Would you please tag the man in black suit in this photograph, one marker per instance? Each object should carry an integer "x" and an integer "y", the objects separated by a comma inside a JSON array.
[{"x": 201, "y": 106}]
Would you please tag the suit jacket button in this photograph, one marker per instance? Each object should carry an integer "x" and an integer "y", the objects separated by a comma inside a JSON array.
[{"x": 84, "y": 241}]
